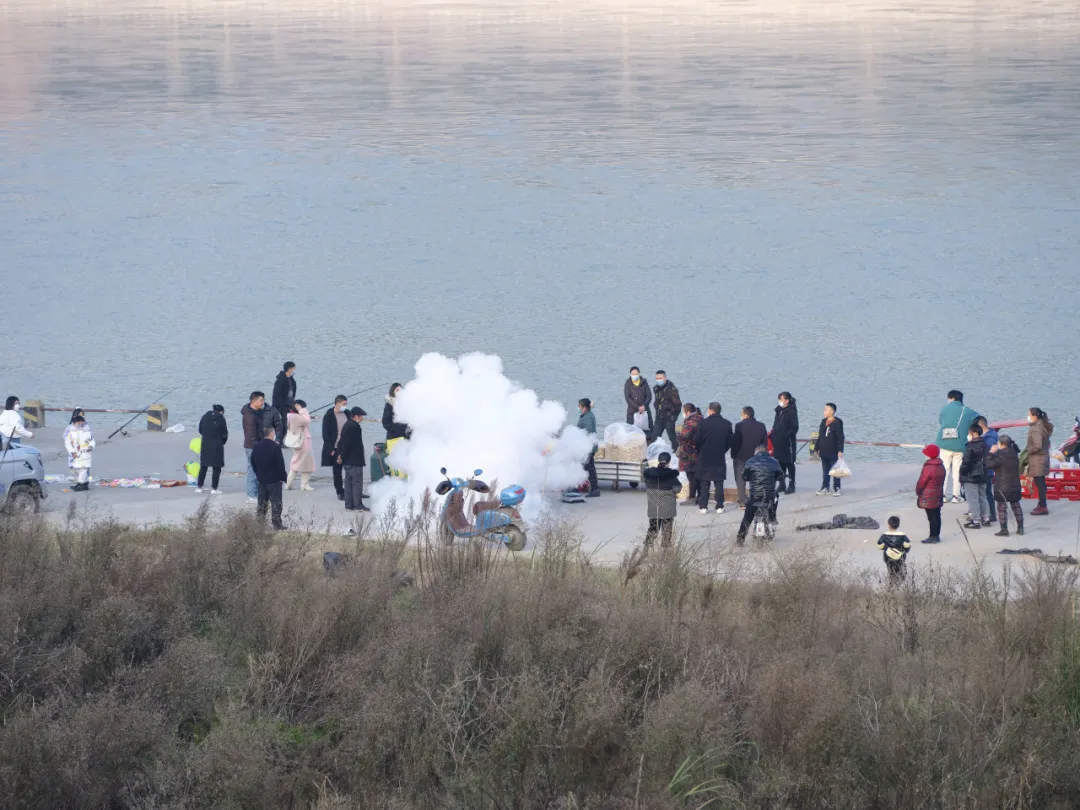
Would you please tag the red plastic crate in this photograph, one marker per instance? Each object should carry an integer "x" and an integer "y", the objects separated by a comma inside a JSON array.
[{"x": 1061, "y": 485}]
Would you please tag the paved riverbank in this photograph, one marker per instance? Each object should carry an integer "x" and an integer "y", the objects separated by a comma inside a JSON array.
[{"x": 611, "y": 524}]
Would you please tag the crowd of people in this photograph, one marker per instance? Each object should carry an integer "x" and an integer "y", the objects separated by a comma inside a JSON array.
[{"x": 968, "y": 463}]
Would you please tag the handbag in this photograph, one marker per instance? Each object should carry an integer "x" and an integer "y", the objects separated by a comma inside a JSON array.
[
  {"x": 954, "y": 433},
  {"x": 294, "y": 440}
]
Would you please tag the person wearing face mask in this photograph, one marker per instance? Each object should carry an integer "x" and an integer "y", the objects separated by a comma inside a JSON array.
[
  {"x": 638, "y": 398},
  {"x": 668, "y": 405},
  {"x": 332, "y": 424},
  {"x": 11, "y": 423},
  {"x": 587, "y": 422},
  {"x": 784, "y": 432}
]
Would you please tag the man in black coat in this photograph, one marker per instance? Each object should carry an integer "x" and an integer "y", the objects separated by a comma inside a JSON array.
[
  {"x": 351, "y": 456},
  {"x": 284, "y": 395},
  {"x": 713, "y": 441},
  {"x": 749, "y": 433},
  {"x": 763, "y": 475},
  {"x": 668, "y": 407},
  {"x": 333, "y": 421},
  {"x": 830, "y": 447},
  {"x": 785, "y": 431},
  {"x": 269, "y": 466},
  {"x": 214, "y": 432}
]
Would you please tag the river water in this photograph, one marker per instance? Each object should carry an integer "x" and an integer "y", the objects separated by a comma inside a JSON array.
[{"x": 868, "y": 201}]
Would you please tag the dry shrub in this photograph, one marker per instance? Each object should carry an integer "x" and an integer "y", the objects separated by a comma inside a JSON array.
[{"x": 215, "y": 665}]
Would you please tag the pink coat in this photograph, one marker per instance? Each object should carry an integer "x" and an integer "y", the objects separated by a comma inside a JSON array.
[{"x": 303, "y": 460}]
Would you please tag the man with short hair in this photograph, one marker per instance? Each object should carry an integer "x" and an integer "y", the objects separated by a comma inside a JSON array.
[
  {"x": 284, "y": 395},
  {"x": 351, "y": 457},
  {"x": 252, "y": 420},
  {"x": 763, "y": 474},
  {"x": 954, "y": 422},
  {"x": 713, "y": 441},
  {"x": 269, "y": 466},
  {"x": 333, "y": 421},
  {"x": 990, "y": 438},
  {"x": 668, "y": 405},
  {"x": 748, "y": 434},
  {"x": 638, "y": 398}
]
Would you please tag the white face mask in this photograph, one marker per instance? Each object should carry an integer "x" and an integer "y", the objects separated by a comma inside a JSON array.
[
  {"x": 635, "y": 377},
  {"x": 18, "y": 406},
  {"x": 661, "y": 382},
  {"x": 343, "y": 407},
  {"x": 780, "y": 402}
]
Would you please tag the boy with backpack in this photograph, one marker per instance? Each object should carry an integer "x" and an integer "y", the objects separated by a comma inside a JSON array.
[{"x": 895, "y": 546}]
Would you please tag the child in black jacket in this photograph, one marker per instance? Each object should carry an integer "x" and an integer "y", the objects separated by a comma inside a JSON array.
[{"x": 895, "y": 545}]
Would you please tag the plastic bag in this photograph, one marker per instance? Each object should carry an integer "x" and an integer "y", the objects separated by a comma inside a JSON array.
[
  {"x": 641, "y": 421},
  {"x": 661, "y": 445},
  {"x": 620, "y": 434},
  {"x": 840, "y": 469}
]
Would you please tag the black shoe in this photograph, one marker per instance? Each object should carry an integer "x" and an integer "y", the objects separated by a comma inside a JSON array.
[
  {"x": 1020, "y": 531},
  {"x": 593, "y": 493},
  {"x": 279, "y": 528},
  {"x": 1002, "y": 533},
  {"x": 361, "y": 508},
  {"x": 971, "y": 525},
  {"x": 341, "y": 496},
  {"x": 932, "y": 540},
  {"x": 364, "y": 496}
]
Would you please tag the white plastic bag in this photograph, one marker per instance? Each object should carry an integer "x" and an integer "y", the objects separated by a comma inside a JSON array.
[
  {"x": 178, "y": 428},
  {"x": 641, "y": 421},
  {"x": 656, "y": 448},
  {"x": 840, "y": 469}
]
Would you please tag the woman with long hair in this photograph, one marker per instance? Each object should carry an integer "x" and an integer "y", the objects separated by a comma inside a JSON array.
[
  {"x": 1038, "y": 454},
  {"x": 298, "y": 437}
]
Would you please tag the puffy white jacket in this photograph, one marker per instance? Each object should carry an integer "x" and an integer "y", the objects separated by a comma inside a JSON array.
[
  {"x": 11, "y": 425},
  {"x": 79, "y": 441}
]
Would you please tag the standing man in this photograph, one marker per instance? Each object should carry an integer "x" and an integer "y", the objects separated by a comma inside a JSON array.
[
  {"x": 990, "y": 437},
  {"x": 251, "y": 416},
  {"x": 333, "y": 421},
  {"x": 284, "y": 394},
  {"x": 351, "y": 457},
  {"x": 954, "y": 422},
  {"x": 830, "y": 448},
  {"x": 587, "y": 422},
  {"x": 638, "y": 398},
  {"x": 713, "y": 442},
  {"x": 764, "y": 475},
  {"x": 668, "y": 405},
  {"x": 785, "y": 430},
  {"x": 748, "y": 434},
  {"x": 269, "y": 466}
]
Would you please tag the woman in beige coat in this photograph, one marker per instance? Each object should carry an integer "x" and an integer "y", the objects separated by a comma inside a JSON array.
[
  {"x": 299, "y": 439},
  {"x": 1038, "y": 454}
]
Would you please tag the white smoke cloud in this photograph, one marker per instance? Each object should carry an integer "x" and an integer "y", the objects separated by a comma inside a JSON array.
[{"x": 465, "y": 414}]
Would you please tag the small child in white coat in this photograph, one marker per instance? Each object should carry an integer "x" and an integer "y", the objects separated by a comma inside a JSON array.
[{"x": 79, "y": 441}]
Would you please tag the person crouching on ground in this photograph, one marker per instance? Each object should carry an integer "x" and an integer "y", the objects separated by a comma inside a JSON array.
[
  {"x": 1004, "y": 460},
  {"x": 79, "y": 442},
  {"x": 215, "y": 433},
  {"x": 688, "y": 451},
  {"x": 351, "y": 457},
  {"x": 973, "y": 476},
  {"x": 763, "y": 475},
  {"x": 895, "y": 546},
  {"x": 930, "y": 490},
  {"x": 587, "y": 422},
  {"x": 269, "y": 466},
  {"x": 661, "y": 484},
  {"x": 299, "y": 439}
]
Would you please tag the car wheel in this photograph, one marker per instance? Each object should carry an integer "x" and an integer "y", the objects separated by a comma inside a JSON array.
[{"x": 23, "y": 500}]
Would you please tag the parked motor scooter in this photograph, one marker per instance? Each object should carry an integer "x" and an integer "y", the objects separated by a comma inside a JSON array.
[{"x": 495, "y": 519}]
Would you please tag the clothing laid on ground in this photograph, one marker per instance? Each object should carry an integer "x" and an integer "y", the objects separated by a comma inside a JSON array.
[{"x": 841, "y": 522}]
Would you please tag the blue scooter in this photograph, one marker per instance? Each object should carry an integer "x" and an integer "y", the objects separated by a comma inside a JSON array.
[{"x": 497, "y": 520}]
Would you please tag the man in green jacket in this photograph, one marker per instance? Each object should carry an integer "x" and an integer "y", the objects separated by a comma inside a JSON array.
[{"x": 953, "y": 423}]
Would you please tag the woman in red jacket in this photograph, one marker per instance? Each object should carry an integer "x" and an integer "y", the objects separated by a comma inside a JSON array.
[{"x": 930, "y": 490}]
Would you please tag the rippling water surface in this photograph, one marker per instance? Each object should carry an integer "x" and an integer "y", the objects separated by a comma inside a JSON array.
[{"x": 868, "y": 201}]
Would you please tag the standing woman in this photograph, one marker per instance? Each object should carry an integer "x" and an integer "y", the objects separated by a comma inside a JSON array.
[
  {"x": 214, "y": 432},
  {"x": 299, "y": 439},
  {"x": 1038, "y": 454},
  {"x": 784, "y": 430},
  {"x": 79, "y": 442},
  {"x": 394, "y": 428},
  {"x": 688, "y": 449},
  {"x": 830, "y": 447}
]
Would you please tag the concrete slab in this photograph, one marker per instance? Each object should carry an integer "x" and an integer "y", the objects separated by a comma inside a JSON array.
[{"x": 611, "y": 524}]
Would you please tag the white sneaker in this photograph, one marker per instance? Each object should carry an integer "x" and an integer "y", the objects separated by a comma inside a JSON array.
[
  {"x": 956, "y": 500},
  {"x": 308, "y": 489},
  {"x": 823, "y": 492},
  {"x": 215, "y": 492},
  {"x": 836, "y": 493},
  {"x": 703, "y": 511},
  {"x": 719, "y": 510},
  {"x": 198, "y": 490},
  {"x": 253, "y": 500}
]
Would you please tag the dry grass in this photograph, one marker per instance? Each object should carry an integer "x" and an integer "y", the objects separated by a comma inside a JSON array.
[{"x": 217, "y": 666}]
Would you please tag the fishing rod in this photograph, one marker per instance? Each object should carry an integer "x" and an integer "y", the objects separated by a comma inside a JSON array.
[
  {"x": 140, "y": 413},
  {"x": 350, "y": 396}
]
